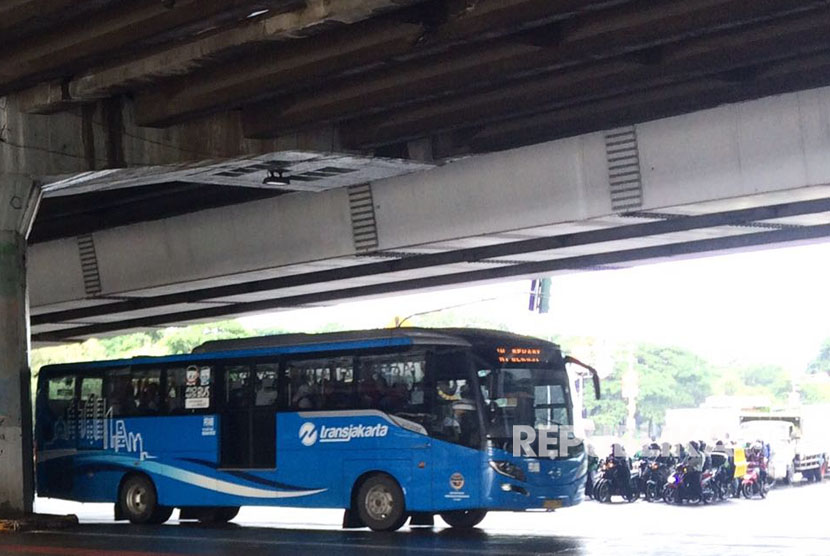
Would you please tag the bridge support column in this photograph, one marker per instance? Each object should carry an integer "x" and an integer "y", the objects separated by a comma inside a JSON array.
[{"x": 19, "y": 197}]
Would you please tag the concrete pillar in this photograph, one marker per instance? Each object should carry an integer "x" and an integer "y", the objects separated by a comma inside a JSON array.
[{"x": 19, "y": 198}]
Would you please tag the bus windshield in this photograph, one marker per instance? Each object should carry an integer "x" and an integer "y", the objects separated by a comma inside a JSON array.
[{"x": 531, "y": 397}]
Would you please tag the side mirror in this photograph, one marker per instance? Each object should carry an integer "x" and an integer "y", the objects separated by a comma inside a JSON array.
[{"x": 590, "y": 369}]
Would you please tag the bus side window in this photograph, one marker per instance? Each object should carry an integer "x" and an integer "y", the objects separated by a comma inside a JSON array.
[
  {"x": 321, "y": 384},
  {"x": 56, "y": 408},
  {"x": 454, "y": 409},
  {"x": 91, "y": 389},
  {"x": 237, "y": 386},
  {"x": 188, "y": 389},
  {"x": 266, "y": 380},
  {"x": 120, "y": 395},
  {"x": 304, "y": 381},
  {"x": 91, "y": 402},
  {"x": 394, "y": 384},
  {"x": 338, "y": 387},
  {"x": 147, "y": 389},
  {"x": 61, "y": 394}
]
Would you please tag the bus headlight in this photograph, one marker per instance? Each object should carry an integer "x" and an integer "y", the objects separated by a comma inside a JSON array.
[{"x": 508, "y": 470}]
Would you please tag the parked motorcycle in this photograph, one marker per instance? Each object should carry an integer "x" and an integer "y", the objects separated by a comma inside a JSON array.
[
  {"x": 723, "y": 481},
  {"x": 752, "y": 484},
  {"x": 612, "y": 482},
  {"x": 651, "y": 478},
  {"x": 679, "y": 487}
]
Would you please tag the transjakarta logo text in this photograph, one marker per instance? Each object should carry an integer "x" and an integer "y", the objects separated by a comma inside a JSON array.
[{"x": 308, "y": 433}]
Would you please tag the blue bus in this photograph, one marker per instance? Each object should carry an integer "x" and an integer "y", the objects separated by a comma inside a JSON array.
[{"x": 386, "y": 424}]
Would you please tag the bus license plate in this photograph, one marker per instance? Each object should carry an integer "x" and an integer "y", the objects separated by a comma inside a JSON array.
[{"x": 553, "y": 504}]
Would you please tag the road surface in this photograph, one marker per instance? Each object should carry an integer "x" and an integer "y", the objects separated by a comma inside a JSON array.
[{"x": 790, "y": 521}]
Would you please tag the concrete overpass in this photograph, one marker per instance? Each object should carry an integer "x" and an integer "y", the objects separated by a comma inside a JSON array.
[
  {"x": 199, "y": 159},
  {"x": 732, "y": 177}
]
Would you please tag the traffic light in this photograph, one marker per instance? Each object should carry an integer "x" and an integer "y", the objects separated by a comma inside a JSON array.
[
  {"x": 540, "y": 295},
  {"x": 544, "y": 295}
]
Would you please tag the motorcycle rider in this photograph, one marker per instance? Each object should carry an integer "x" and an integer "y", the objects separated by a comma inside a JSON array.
[
  {"x": 664, "y": 455},
  {"x": 653, "y": 451},
  {"x": 623, "y": 468},
  {"x": 704, "y": 450},
  {"x": 593, "y": 466},
  {"x": 694, "y": 463},
  {"x": 757, "y": 456},
  {"x": 724, "y": 463}
]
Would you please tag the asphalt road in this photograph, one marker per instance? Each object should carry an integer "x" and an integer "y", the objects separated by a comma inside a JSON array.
[{"x": 791, "y": 520}]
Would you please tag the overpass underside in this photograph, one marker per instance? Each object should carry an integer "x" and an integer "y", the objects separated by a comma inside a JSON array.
[
  {"x": 206, "y": 159},
  {"x": 736, "y": 177},
  {"x": 174, "y": 161}
]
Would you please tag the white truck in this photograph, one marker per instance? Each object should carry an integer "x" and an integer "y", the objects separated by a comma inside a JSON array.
[{"x": 799, "y": 440}]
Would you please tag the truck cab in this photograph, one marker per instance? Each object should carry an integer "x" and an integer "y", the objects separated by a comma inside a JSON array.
[{"x": 793, "y": 456}]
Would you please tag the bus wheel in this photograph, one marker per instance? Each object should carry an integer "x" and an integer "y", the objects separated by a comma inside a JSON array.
[
  {"x": 380, "y": 503},
  {"x": 602, "y": 493},
  {"x": 463, "y": 519},
  {"x": 139, "y": 502}
]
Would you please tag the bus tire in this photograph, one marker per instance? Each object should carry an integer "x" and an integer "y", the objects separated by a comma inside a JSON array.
[
  {"x": 138, "y": 501},
  {"x": 603, "y": 492},
  {"x": 463, "y": 519},
  {"x": 380, "y": 503}
]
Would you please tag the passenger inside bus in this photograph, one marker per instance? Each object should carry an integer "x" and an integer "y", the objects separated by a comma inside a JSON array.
[
  {"x": 304, "y": 393},
  {"x": 149, "y": 400},
  {"x": 336, "y": 394},
  {"x": 122, "y": 396}
]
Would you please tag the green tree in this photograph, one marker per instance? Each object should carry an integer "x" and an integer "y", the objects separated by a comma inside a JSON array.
[
  {"x": 815, "y": 393},
  {"x": 609, "y": 412},
  {"x": 821, "y": 364},
  {"x": 770, "y": 380},
  {"x": 669, "y": 377},
  {"x": 183, "y": 340}
]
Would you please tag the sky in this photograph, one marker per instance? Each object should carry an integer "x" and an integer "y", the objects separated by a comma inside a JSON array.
[{"x": 768, "y": 306}]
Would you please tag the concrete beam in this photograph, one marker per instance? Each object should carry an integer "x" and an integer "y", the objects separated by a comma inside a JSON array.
[
  {"x": 518, "y": 271},
  {"x": 375, "y": 93},
  {"x": 19, "y": 18},
  {"x": 122, "y": 28},
  {"x": 238, "y": 82},
  {"x": 184, "y": 58},
  {"x": 491, "y": 18},
  {"x": 586, "y": 39},
  {"x": 19, "y": 197},
  {"x": 625, "y": 109},
  {"x": 105, "y": 135},
  {"x": 46, "y": 98},
  {"x": 771, "y": 147},
  {"x": 274, "y": 69},
  {"x": 707, "y": 55}
]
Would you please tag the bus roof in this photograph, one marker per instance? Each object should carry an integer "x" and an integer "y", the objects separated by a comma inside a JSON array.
[
  {"x": 417, "y": 336},
  {"x": 412, "y": 336},
  {"x": 286, "y": 344}
]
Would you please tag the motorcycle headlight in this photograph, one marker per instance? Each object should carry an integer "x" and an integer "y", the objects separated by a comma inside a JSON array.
[{"x": 508, "y": 469}]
